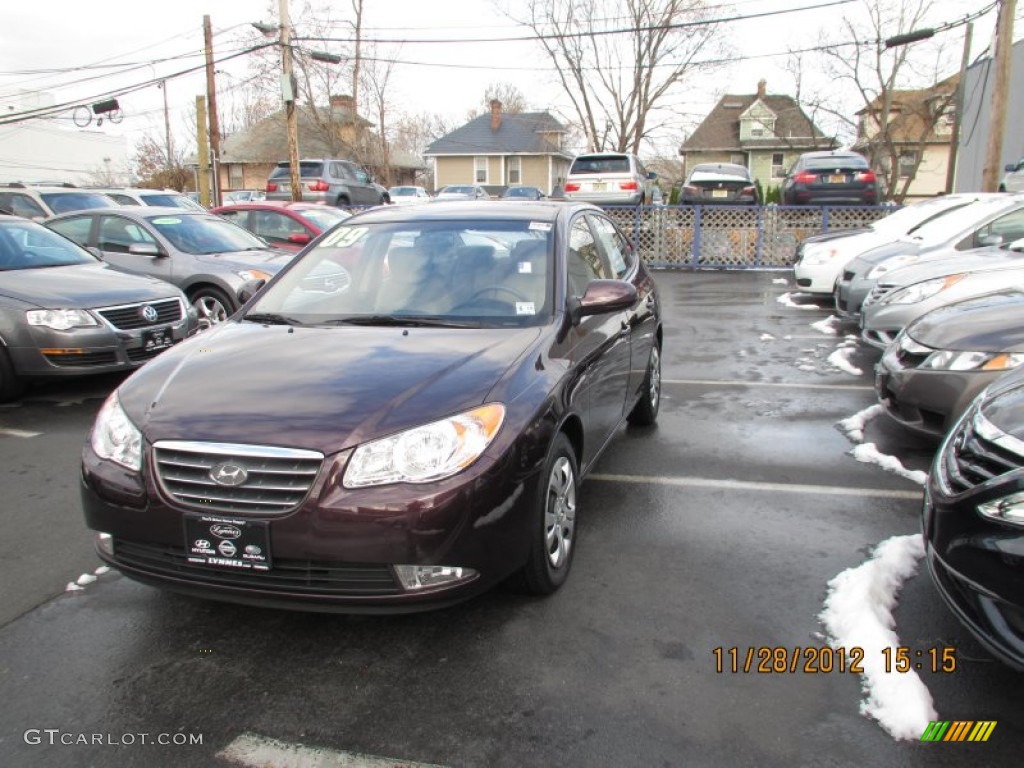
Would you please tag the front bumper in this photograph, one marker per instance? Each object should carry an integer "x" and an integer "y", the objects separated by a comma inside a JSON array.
[
  {"x": 816, "y": 278},
  {"x": 978, "y": 568},
  {"x": 850, "y": 291},
  {"x": 337, "y": 550}
]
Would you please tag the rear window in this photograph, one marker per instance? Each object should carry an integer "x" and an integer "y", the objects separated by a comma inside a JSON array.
[
  {"x": 306, "y": 170},
  {"x": 836, "y": 161},
  {"x": 600, "y": 165},
  {"x": 61, "y": 202}
]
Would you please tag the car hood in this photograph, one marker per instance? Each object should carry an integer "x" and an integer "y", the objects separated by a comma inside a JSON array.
[
  {"x": 989, "y": 323},
  {"x": 323, "y": 389},
  {"x": 81, "y": 286},
  {"x": 1004, "y": 403},
  {"x": 835, "y": 234},
  {"x": 949, "y": 263},
  {"x": 271, "y": 260}
]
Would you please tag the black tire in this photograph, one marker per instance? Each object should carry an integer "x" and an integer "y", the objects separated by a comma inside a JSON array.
[
  {"x": 11, "y": 385},
  {"x": 553, "y": 524},
  {"x": 214, "y": 306},
  {"x": 645, "y": 412},
  {"x": 342, "y": 202}
]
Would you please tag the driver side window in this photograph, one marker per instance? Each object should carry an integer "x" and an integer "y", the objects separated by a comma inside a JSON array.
[{"x": 585, "y": 261}]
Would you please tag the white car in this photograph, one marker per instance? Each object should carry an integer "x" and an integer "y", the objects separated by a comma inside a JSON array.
[
  {"x": 406, "y": 195},
  {"x": 1013, "y": 181},
  {"x": 821, "y": 258}
]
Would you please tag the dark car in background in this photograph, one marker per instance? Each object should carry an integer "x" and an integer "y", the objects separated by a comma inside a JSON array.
[
  {"x": 327, "y": 180},
  {"x": 209, "y": 258},
  {"x": 718, "y": 184},
  {"x": 831, "y": 178},
  {"x": 461, "y": 192},
  {"x": 401, "y": 440},
  {"x": 63, "y": 312},
  {"x": 286, "y": 225},
  {"x": 940, "y": 362},
  {"x": 973, "y": 519},
  {"x": 523, "y": 193}
]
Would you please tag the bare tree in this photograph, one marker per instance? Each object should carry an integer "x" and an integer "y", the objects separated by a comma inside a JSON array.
[
  {"x": 620, "y": 62},
  {"x": 152, "y": 168},
  {"x": 512, "y": 99},
  {"x": 891, "y": 101}
]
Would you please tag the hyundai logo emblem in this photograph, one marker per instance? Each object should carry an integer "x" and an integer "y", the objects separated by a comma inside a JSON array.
[
  {"x": 229, "y": 474},
  {"x": 149, "y": 313}
]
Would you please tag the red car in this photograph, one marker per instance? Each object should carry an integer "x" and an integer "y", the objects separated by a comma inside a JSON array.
[{"x": 287, "y": 225}]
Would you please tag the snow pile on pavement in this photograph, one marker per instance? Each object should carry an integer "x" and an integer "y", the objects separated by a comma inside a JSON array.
[
  {"x": 767, "y": 337},
  {"x": 858, "y": 613},
  {"x": 85, "y": 579},
  {"x": 787, "y": 300},
  {"x": 853, "y": 427},
  {"x": 780, "y": 281},
  {"x": 829, "y": 326},
  {"x": 868, "y": 453},
  {"x": 841, "y": 360}
]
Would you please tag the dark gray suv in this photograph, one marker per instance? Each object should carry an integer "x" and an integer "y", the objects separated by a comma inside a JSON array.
[{"x": 334, "y": 182}]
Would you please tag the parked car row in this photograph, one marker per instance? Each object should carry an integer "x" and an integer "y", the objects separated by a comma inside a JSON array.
[{"x": 944, "y": 302}]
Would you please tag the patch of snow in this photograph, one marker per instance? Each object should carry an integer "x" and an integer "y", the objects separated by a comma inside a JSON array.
[
  {"x": 853, "y": 427},
  {"x": 787, "y": 337},
  {"x": 72, "y": 587},
  {"x": 787, "y": 300},
  {"x": 806, "y": 367},
  {"x": 841, "y": 360},
  {"x": 829, "y": 326},
  {"x": 780, "y": 281},
  {"x": 868, "y": 453},
  {"x": 858, "y": 613},
  {"x": 767, "y": 337},
  {"x": 85, "y": 579},
  {"x": 102, "y": 569}
]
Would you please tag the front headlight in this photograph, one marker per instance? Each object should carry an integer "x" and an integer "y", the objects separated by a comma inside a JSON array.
[
  {"x": 920, "y": 291},
  {"x": 1009, "y": 509},
  {"x": 427, "y": 453},
  {"x": 115, "y": 438},
  {"x": 890, "y": 264},
  {"x": 950, "y": 360},
  {"x": 815, "y": 257},
  {"x": 253, "y": 274},
  {"x": 61, "y": 319}
]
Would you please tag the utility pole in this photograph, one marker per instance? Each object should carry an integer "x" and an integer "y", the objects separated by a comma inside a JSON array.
[
  {"x": 1000, "y": 94},
  {"x": 211, "y": 97},
  {"x": 958, "y": 111},
  {"x": 204, "y": 153},
  {"x": 167, "y": 127},
  {"x": 288, "y": 92}
]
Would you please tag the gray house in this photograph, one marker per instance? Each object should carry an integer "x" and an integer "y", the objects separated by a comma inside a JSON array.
[{"x": 498, "y": 150}]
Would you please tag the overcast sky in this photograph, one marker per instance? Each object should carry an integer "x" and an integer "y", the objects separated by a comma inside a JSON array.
[{"x": 75, "y": 37}]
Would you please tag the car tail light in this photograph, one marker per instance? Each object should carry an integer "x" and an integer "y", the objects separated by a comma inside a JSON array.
[
  {"x": 271, "y": 187},
  {"x": 572, "y": 186},
  {"x": 630, "y": 186},
  {"x": 867, "y": 176},
  {"x": 805, "y": 177},
  {"x": 319, "y": 186},
  {"x": 749, "y": 191},
  {"x": 691, "y": 190}
]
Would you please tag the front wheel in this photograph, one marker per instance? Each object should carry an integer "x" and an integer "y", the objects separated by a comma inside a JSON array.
[
  {"x": 553, "y": 525},
  {"x": 645, "y": 412},
  {"x": 213, "y": 306}
]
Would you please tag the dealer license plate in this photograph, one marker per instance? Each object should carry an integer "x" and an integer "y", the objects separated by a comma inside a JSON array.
[
  {"x": 598, "y": 186},
  {"x": 227, "y": 542},
  {"x": 720, "y": 193},
  {"x": 154, "y": 339}
]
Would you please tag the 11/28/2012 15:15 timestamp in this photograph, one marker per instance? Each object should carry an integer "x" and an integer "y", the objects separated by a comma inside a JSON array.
[{"x": 767, "y": 659}]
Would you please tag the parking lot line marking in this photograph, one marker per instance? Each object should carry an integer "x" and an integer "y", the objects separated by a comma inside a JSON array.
[
  {"x": 745, "y": 485},
  {"x": 775, "y": 384},
  {"x": 259, "y": 751},
  {"x": 18, "y": 432}
]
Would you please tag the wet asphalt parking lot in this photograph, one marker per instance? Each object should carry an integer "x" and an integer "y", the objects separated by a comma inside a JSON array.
[{"x": 719, "y": 528}]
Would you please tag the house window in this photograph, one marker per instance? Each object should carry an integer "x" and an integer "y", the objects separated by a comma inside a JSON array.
[
  {"x": 515, "y": 170},
  {"x": 235, "y": 180},
  {"x": 778, "y": 165},
  {"x": 757, "y": 133},
  {"x": 908, "y": 163},
  {"x": 480, "y": 170}
]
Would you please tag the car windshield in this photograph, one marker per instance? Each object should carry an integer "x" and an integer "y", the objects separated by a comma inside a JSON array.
[
  {"x": 171, "y": 200},
  {"x": 911, "y": 217},
  {"x": 62, "y": 202},
  {"x": 324, "y": 217},
  {"x": 24, "y": 245},
  {"x": 402, "y": 191},
  {"x": 457, "y": 191},
  {"x": 464, "y": 274},
  {"x": 520, "y": 192},
  {"x": 944, "y": 228},
  {"x": 205, "y": 234}
]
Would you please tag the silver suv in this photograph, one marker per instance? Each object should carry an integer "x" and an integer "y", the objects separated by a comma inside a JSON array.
[
  {"x": 38, "y": 202},
  {"x": 334, "y": 182},
  {"x": 610, "y": 178}
]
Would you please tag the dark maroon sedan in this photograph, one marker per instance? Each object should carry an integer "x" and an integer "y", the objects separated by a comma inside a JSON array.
[
  {"x": 286, "y": 225},
  {"x": 401, "y": 435}
]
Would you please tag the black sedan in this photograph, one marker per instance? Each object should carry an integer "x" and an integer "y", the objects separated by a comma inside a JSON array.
[
  {"x": 401, "y": 439},
  {"x": 973, "y": 519},
  {"x": 719, "y": 184},
  {"x": 831, "y": 178},
  {"x": 63, "y": 312}
]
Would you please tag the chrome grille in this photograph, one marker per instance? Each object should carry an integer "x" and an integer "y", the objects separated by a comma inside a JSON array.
[
  {"x": 129, "y": 317},
  {"x": 277, "y": 479},
  {"x": 978, "y": 452}
]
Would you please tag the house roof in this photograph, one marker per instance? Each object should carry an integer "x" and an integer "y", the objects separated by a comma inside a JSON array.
[
  {"x": 526, "y": 133},
  {"x": 911, "y": 118},
  {"x": 720, "y": 130}
]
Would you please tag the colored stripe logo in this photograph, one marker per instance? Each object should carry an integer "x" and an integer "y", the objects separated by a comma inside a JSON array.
[{"x": 958, "y": 730}]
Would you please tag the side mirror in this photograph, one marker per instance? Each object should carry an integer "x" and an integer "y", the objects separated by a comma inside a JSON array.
[
  {"x": 146, "y": 249},
  {"x": 249, "y": 289},
  {"x": 989, "y": 239},
  {"x": 601, "y": 297},
  {"x": 300, "y": 238}
]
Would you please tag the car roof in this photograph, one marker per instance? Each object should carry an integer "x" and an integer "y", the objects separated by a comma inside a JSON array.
[
  {"x": 141, "y": 211},
  {"x": 539, "y": 210}
]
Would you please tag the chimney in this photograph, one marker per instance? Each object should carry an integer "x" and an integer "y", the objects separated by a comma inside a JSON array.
[
  {"x": 761, "y": 85},
  {"x": 342, "y": 102},
  {"x": 495, "y": 114}
]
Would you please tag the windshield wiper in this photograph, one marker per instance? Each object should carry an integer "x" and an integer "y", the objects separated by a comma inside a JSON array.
[
  {"x": 272, "y": 318},
  {"x": 400, "y": 320}
]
